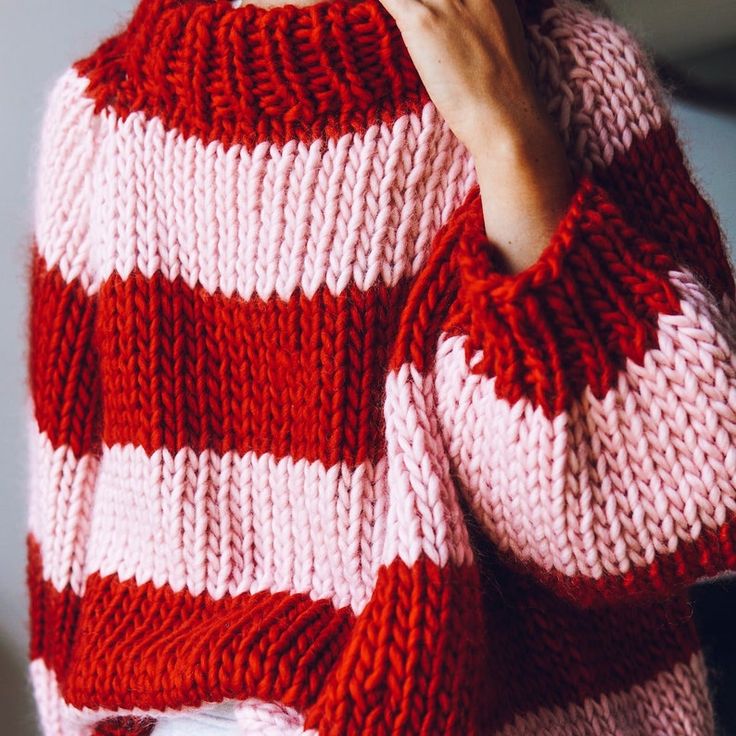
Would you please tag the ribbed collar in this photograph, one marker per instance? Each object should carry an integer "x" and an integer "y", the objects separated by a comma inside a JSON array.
[{"x": 249, "y": 74}]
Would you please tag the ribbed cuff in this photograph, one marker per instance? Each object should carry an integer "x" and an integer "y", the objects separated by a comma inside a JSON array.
[
  {"x": 592, "y": 220},
  {"x": 570, "y": 319}
]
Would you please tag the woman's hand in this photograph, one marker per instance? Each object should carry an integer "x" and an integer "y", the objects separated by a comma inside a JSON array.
[{"x": 472, "y": 59}]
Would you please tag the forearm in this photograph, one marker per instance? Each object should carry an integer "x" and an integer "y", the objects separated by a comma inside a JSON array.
[{"x": 525, "y": 185}]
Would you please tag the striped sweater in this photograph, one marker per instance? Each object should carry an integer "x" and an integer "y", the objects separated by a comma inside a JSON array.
[{"x": 296, "y": 441}]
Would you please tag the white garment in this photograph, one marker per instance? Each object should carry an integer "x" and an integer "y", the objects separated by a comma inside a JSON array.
[
  {"x": 252, "y": 717},
  {"x": 215, "y": 720}
]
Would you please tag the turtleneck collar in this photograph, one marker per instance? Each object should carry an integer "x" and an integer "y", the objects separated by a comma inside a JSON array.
[{"x": 249, "y": 74}]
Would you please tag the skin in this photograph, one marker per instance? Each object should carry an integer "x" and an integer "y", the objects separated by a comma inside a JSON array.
[{"x": 471, "y": 57}]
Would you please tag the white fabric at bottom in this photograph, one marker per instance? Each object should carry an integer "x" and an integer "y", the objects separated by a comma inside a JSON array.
[
  {"x": 215, "y": 720},
  {"x": 251, "y": 717}
]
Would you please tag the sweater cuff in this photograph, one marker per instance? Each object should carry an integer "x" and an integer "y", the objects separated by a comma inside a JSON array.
[
  {"x": 569, "y": 320},
  {"x": 592, "y": 219}
]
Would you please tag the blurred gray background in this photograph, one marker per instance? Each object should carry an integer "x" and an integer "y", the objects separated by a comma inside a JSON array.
[{"x": 695, "y": 42}]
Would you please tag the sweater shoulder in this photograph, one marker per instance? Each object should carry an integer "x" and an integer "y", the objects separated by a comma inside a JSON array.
[
  {"x": 67, "y": 148},
  {"x": 599, "y": 82}
]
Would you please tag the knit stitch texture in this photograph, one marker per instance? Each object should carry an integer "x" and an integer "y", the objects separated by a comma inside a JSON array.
[{"x": 298, "y": 444}]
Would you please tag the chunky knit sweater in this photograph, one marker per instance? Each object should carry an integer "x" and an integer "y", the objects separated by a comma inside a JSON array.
[{"x": 299, "y": 445}]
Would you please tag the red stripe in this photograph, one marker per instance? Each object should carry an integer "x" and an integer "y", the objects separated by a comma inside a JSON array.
[
  {"x": 652, "y": 184},
  {"x": 437, "y": 646},
  {"x": 684, "y": 223},
  {"x": 184, "y": 368},
  {"x": 249, "y": 74},
  {"x": 545, "y": 651},
  {"x": 435, "y": 287},
  {"x": 64, "y": 383},
  {"x": 122, "y": 645},
  {"x": 303, "y": 377},
  {"x": 52, "y": 614},
  {"x": 413, "y": 661}
]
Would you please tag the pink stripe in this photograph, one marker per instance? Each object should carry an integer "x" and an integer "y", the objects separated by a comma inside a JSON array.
[
  {"x": 598, "y": 84},
  {"x": 221, "y": 524},
  {"x": 60, "y": 497},
  {"x": 674, "y": 703},
  {"x": 616, "y": 481},
  {"x": 68, "y": 145},
  {"x": 51, "y": 710},
  {"x": 424, "y": 517},
  {"x": 363, "y": 208}
]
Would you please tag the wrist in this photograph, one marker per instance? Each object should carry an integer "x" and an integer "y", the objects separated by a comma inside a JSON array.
[
  {"x": 527, "y": 165},
  {"x": 526, "y": 185},
  {"x": 520, "y": 125}
]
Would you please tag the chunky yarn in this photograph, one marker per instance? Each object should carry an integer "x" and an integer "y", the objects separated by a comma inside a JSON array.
[{"x": 298, "y": 446}]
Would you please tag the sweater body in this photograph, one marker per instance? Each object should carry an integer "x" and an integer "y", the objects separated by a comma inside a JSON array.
[{"x": 299, "y": 448}]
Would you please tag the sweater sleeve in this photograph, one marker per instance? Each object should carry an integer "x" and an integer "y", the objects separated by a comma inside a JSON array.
[
  {"x": 588, "y": 403},
  {"x": 62, "y": 386}
]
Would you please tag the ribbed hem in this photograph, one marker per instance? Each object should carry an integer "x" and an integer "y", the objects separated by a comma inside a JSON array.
[{"x": 124, "y": 645}]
